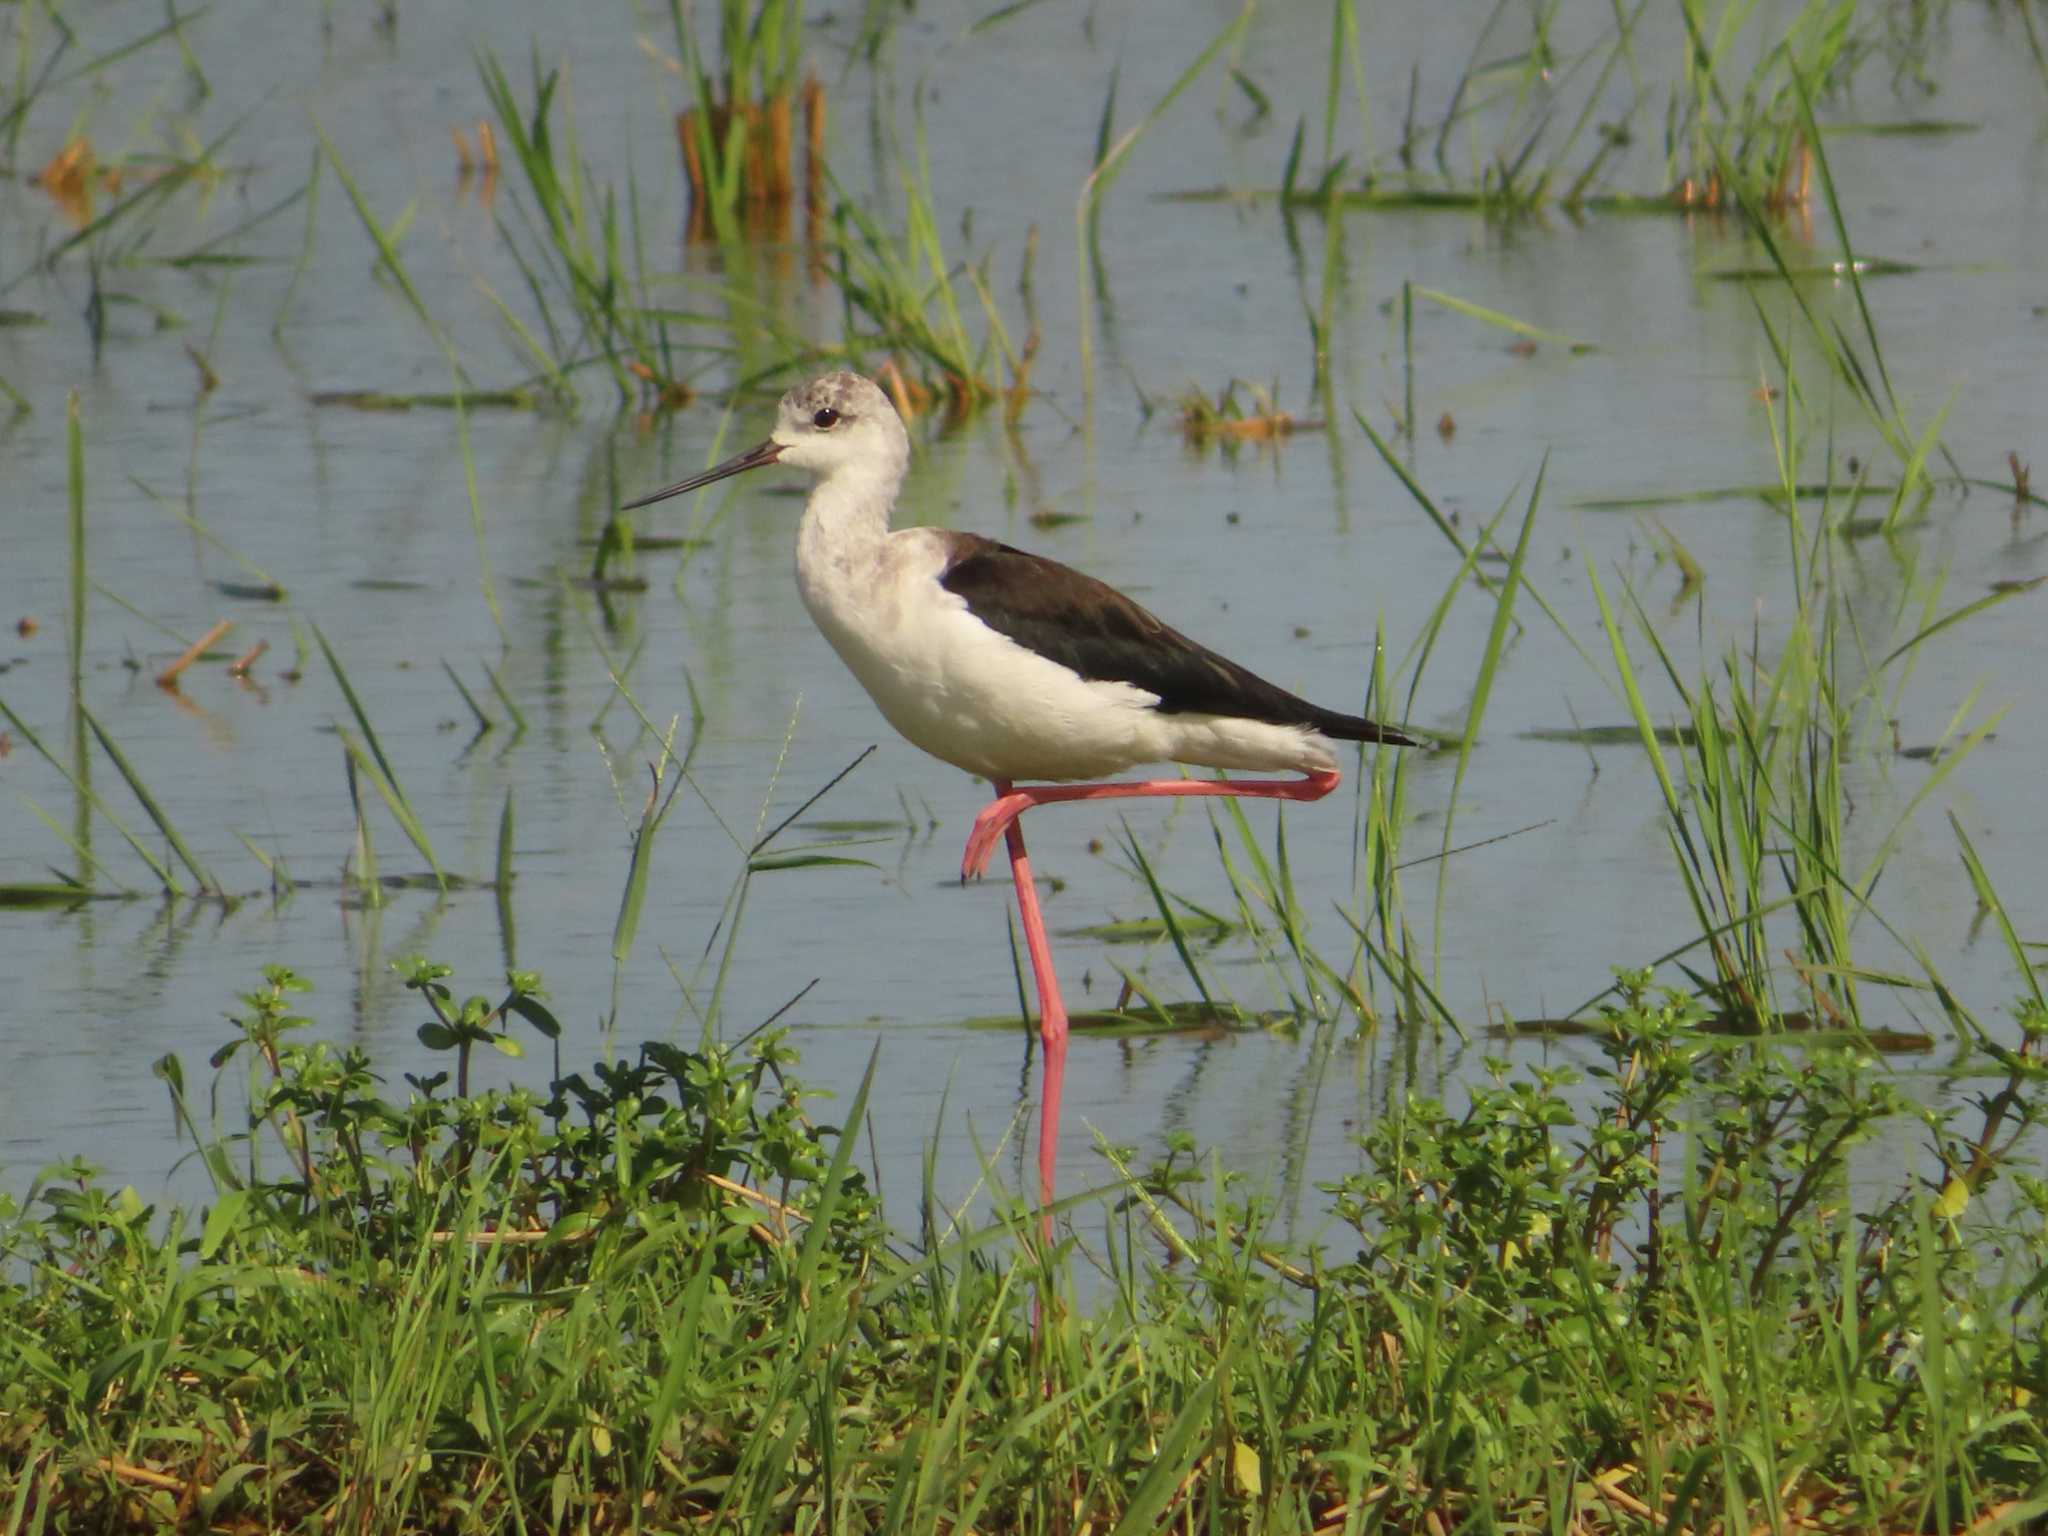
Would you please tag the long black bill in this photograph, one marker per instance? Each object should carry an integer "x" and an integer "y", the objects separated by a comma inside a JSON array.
[{"x": 753, "y": 458}]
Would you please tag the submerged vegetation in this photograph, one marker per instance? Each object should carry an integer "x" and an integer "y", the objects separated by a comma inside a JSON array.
[{"x": 1752, "y": 1238}]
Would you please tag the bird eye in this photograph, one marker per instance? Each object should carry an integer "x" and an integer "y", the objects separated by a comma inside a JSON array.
[{"x": 826, "y": 419}]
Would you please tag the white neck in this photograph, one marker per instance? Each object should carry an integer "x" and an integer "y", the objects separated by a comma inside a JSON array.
[{"x": 846, "y": 520}]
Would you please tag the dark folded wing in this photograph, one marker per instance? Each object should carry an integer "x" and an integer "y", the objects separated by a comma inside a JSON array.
[{"x": 1094, "y": 630}]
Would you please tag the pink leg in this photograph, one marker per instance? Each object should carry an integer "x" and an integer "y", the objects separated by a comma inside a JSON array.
[
  {"x": 1001, "y": 813},
  {"x": 1052, "y": 1016},
  {"x": 1000, "y": 819}
]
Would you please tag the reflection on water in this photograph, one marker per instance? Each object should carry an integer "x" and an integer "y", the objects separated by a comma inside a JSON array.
[{"x": 1290, "y": 555}]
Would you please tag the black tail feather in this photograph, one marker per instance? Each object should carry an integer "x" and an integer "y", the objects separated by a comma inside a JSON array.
[{"x": 1357, "y": 728}]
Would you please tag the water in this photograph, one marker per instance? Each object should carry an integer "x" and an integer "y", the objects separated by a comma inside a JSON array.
[{"x": 1286, "y": 559}]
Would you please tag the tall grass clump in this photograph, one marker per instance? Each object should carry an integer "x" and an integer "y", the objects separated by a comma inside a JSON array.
[
  {"x": 1549, "y": 110},
  {"x": 1754, "y": 759},
  {"x": 579, "y": 256},
  {"x": 905, "y": 295},
  {"x": 1738, "y": 136},
  {"x": 738, "y": 138}
]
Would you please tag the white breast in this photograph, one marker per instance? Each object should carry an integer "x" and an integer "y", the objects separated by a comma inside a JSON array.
[{"x": 977, "y": 699}]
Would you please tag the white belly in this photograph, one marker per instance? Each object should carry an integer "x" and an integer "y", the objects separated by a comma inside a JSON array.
[{"x": 976, "y": 699}]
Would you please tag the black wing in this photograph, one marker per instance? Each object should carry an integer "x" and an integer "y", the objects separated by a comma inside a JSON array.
[{"x": 1091, "y": 628}]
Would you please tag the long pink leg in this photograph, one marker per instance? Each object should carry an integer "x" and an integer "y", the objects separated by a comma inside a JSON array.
[
  {"x": 1000, "y": 819},
  {"x": 1000, "y": 815},
  {"x": 1052, "y": 1016}
]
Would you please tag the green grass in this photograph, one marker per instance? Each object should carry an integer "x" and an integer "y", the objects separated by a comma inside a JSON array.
[
  {"x": 1716, "y": 118},
  {"x": 366, "y": 757},
  {"x": 578, "y": 256},
  {"x": 662, "y": 1291},
  {"x": 738, "y": 134},
  {"x": 905, "y": 296}
]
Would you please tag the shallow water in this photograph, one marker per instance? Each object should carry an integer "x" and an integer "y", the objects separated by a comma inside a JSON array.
[{"x": 1286, "y": 558}]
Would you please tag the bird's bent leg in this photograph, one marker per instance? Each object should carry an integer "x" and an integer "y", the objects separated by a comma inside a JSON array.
[
  {"x": 1052, "y": 1017},
  {"x": 1000, "y": 814}
]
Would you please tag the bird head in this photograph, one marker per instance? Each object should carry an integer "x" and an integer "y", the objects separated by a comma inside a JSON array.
[{"x": 836, "y": 424}]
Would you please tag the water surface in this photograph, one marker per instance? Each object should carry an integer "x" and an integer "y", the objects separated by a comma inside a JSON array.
[{"x": 1288, "y": 558}]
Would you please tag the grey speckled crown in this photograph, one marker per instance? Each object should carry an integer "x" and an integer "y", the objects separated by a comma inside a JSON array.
[{"x": 847, "y": 393}]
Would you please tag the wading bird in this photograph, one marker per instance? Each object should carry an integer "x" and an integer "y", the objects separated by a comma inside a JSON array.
[{"x": 1015, "y": 667}]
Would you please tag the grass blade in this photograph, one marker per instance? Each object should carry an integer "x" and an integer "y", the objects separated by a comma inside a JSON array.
[
  {"x": 1954, "y": 617},
  {"x": 149, "y": 805},
  {"x": 386, "y": 777},
  {"x": 74, "y": 445},
  {"x": 501, "y": 885},
  {"x": 483, "y": 721},
  {"x": 1489, "y": 661},
  {"x": 401, "y": 811},
  {"x": 1496, "y": 318},
  {"x": 1980, "y": 880},
  {"x": 1173, "y": 929},
  {"x": 87, "y": 864},
  {"x": 77, "y": 782},
  {"x": 834, "y": 1187},
  {"x": 365, "y": 853},
  {"x": 652, "y": 814},
  {"x": 1170, "y": 1465},
  {"x": 388, "y": 251}
]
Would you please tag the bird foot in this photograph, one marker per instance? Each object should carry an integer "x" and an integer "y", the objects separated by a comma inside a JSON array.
[{"x": 989, "y": 826}]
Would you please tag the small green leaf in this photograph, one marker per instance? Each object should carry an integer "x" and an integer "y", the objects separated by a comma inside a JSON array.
[
  {"x": 1952, "y": 1201},
  {"x": 221, "y": 1220},
  {"x": 804, "y": 861},
  {"x": 507, "y": 1046},
  {"x": 535, "y": 1012},
  {"x": 574, "y": 1225},
  {"x": 1506, "y": 322},
  {"x": 437, "y": 1037}
]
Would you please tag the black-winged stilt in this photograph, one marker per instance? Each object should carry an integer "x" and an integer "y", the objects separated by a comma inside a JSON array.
[{"x": 1016, "y": 667}]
